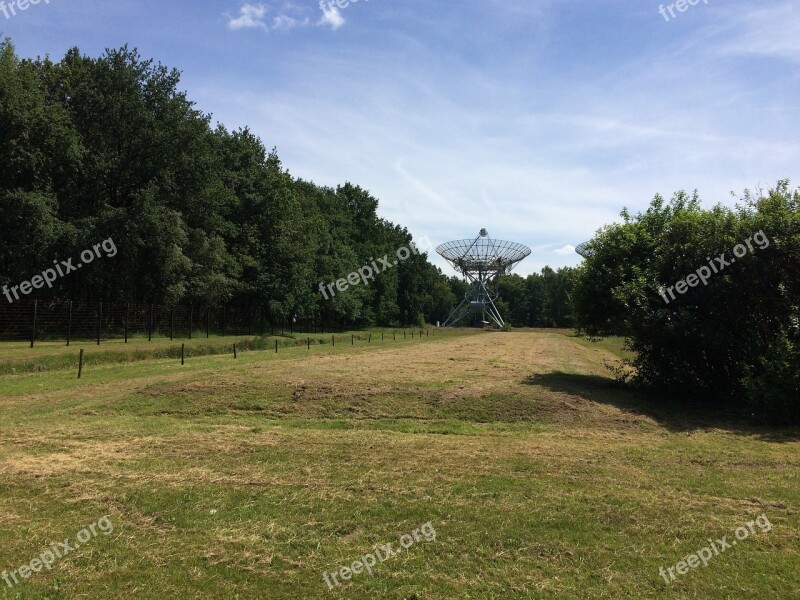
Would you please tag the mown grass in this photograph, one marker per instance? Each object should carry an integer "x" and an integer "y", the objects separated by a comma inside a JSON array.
[
  {"x": 612, "y": 345},
  {"x": 249, "y": 478},
  {"x": 18, "y": 357}
]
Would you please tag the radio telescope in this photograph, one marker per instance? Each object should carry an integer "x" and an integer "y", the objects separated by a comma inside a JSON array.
[
  {"x": 584, "y": 249},
  {"x": 481, "y": 261}
]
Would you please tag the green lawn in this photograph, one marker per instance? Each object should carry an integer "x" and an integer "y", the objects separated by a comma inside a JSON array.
[{"x": 251, "y": 478}]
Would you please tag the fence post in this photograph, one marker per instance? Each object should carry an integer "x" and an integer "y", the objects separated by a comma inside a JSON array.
[
  {"x": 182, "y": 345},
  {"x": 276, "y": 346},
  {"x": 333, "y": 341},
  {"x": 234, "y": 351},
  {"x": 99, "y": 321},
  {"x": 309, "y": 343},
  {"x": 352, "y": 339},
  {"x": 80, "y": 364},
  {"x": 33, "y": 321},
  {"x": 69, "y": 322},
  {"x": 127, "y": 318}
]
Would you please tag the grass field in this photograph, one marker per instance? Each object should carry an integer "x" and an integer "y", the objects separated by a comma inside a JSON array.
[{"x": 251, "y": 478}]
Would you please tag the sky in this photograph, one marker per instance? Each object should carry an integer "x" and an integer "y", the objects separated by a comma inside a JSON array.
[{"x": 539, "y": 120}]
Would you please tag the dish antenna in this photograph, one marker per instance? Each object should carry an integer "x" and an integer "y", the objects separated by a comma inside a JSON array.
[
  {"x": 481, "y": 261},
  {"x": 584, "y": 249}
]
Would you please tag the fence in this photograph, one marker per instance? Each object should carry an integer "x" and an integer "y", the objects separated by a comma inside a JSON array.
[{"x": 32, "y": 320}]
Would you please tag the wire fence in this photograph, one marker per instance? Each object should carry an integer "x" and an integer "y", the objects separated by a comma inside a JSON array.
[{"x": 32, "y": 320}]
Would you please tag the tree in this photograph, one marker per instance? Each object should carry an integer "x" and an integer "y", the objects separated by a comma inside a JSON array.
[{"x": 708, "y": 335}]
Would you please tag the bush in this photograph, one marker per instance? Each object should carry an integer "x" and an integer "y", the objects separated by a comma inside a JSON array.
[
  {"x": 773, "y": 386},
  {"x": 727, "y": 340}
]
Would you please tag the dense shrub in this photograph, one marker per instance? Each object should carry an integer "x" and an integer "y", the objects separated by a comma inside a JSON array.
[{"x": 732, "y": 339}]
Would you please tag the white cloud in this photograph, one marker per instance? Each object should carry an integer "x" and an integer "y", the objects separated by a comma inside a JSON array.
[
  {"x": 331, "y": 16},
  {"x": 251, "y": 16},
  {"x": 285, "y": 22},
  {"x": 567, "y": 250},
  {"x": 288, "y": 16}
]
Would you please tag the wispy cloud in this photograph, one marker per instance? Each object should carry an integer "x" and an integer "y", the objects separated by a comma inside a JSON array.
[
  {"x": 251, "y": 16},
  {"x": 769, "y": 31},
  {"x": 331, "y": 16},
  {"x": 284, "y": 22},
  {"x": 567, "y": 250},
  {"x": 287, "y": 16}
]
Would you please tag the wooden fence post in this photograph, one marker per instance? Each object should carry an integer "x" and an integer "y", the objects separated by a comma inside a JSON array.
[
  {"x": 99, "y": 321},
  {"x": 69, "y": 322},
  {"x": 33, "y": 322}
]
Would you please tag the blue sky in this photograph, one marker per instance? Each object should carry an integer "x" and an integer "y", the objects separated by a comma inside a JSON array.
[{"x": 537, "y": 119}]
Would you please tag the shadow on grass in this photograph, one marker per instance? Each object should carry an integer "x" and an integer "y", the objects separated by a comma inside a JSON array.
[{"x": 676, "y": 414}]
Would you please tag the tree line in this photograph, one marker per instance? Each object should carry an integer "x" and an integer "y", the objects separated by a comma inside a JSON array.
[{"x": 109, "y": 148}]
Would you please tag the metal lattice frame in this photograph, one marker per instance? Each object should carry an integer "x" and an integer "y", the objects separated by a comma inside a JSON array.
[
  {"x": 584, "y": 249},
  {"x": 481, "y": 261}
]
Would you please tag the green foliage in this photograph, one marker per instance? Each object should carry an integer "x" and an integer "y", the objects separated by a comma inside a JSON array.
[
  {"x": 733, "y": 340},
  {"x": 539, "y": 300},
  {"x": 109, "y": 147},
  {"x": 773, "y": 384}
]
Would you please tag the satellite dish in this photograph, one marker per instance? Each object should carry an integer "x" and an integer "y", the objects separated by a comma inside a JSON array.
[
  {"x": 481, "y": 261},
  {"x": 584, "y": 249}
]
